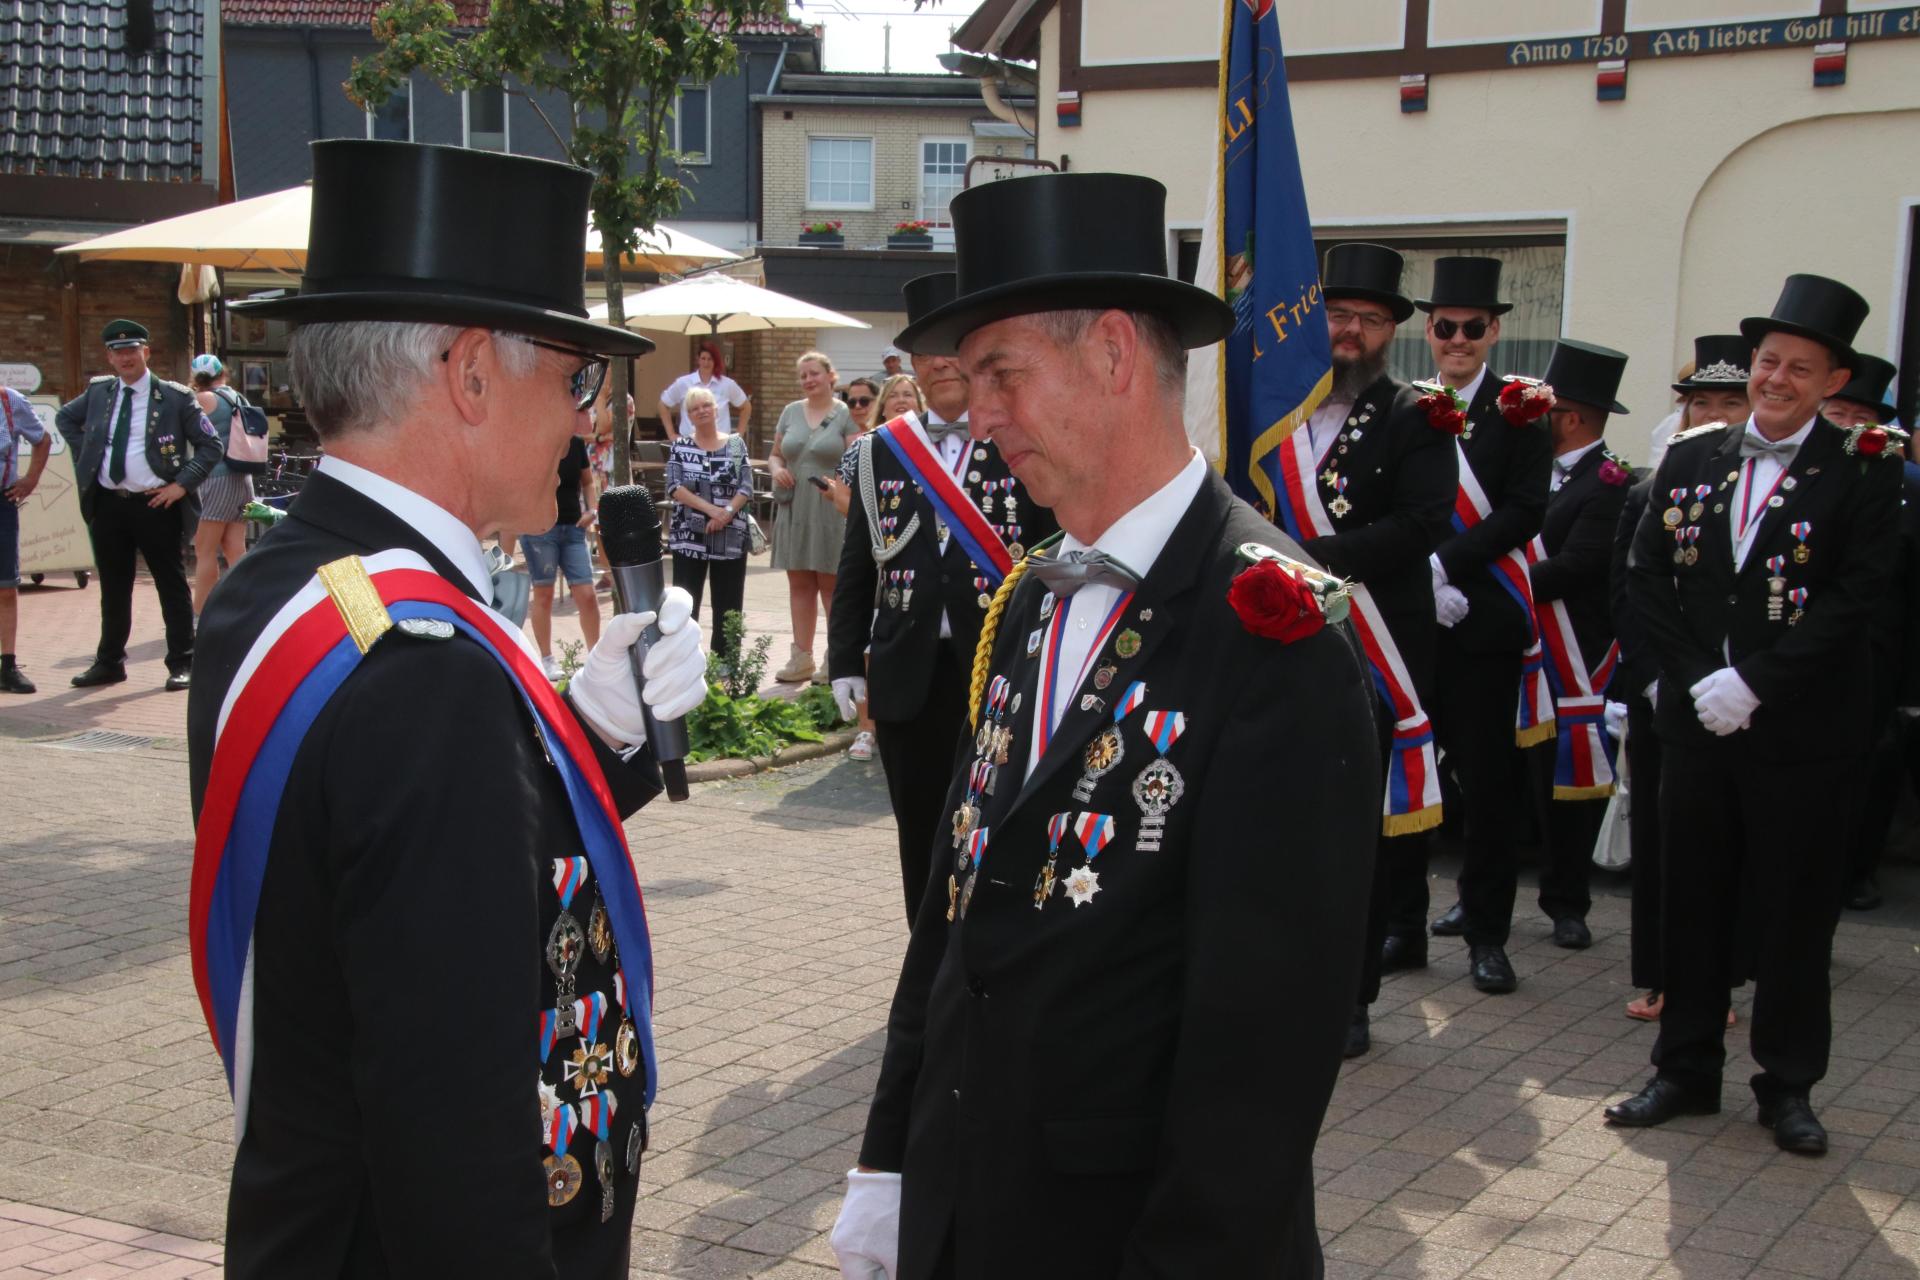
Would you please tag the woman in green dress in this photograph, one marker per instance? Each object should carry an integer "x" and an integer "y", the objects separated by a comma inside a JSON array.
[{"x": 807, "y": 443}]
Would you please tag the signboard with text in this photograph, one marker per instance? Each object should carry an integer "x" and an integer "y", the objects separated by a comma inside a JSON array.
[
  {"x": 1725, "y": 37},
  {"x": 53, "y": 537}
]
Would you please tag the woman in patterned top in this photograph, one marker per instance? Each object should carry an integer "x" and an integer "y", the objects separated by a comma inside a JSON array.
[{"x": 709, "y": 481}]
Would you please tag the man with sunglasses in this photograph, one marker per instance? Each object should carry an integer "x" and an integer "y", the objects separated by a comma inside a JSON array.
[
  {"x": 407, "y": 971},
  {"x": 1484, "y": 629}
]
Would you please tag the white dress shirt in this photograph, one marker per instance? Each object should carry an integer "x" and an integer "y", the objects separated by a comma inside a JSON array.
[
  {"x": 1472, "y": 389},
  {"x": 1325, "y": 424},
  {"x": 1759, "y": 480},
  {"x": 727, "y": 396},
  {"x": 140, "y": 474},
  {"x": 1564, "y": 463},
  {"x": 952, "y": 449},
  {"x": 1135, "y": 540},
  {"x": 429, "y": 519}
]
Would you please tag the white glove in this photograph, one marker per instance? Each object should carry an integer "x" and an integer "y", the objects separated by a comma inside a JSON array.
[
  {"x": 1723, "y": 702},
  {"x": 676, "y": 671},
  {"x": 1449, "y": 605},
  {"x": 866, "y": 1235},
  {"x": 848, "y": 692},
  {"x": 1616, "y": 719},
  {"x": 1439, "y": 571},
  {"x": 1653, "y": 694}
]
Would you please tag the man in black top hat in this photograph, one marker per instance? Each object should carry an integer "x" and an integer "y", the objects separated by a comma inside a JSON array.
[
  {"x": 1864, "y": 400},
  {"x": 909, "y": 590},
  {"x": 1386, "y": 479},
  {"x": 415, "y": 936},
  {"x": 1585, "y": 495},
  {"x": 1172, "y": 791},
  {"x": 1756, "y": 571},
  {"x": 136, "y": 489},
  {"x": 1484, "y": 629}
]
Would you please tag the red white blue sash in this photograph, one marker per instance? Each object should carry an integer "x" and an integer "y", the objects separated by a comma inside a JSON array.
[
  {"x": 296, "y": 665},
  {"x": 1583, "y": 765},
  {"x": 1533, "y": 720},
  {"x": 1412, "y": 800},
  {"x": 907, "y": 440}
]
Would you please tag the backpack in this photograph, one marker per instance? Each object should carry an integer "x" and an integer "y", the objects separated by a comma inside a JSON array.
[{"x": 246, "y": 434}]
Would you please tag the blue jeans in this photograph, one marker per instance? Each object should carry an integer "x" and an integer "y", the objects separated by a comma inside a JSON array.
[{"x": 562, "y": 549}]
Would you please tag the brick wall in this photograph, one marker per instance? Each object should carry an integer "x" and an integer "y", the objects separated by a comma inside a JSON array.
[
  {"x": 32, "y": 329},
  {"x": 896, "y": 132}
]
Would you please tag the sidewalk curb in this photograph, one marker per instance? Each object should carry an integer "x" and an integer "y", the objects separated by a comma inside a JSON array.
[{"x": 714, "y": 770}]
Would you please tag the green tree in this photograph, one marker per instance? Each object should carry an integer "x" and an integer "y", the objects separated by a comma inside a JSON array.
[{"x": 618, "y": 63}]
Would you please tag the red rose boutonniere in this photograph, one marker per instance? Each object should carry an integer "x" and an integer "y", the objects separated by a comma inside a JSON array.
[
  {"x": 1276, "y": 602},
  {"x": 1873, "y": 441},
  {"x": 1613, "y": 473},
  {"x": 1444, "y": 409},
  {"x": 1525, "y": 400}
]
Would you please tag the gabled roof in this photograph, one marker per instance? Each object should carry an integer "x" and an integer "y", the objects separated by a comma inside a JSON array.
[
  {"x": 74, "y": 103},
  {"x": 468, "y": 14}
]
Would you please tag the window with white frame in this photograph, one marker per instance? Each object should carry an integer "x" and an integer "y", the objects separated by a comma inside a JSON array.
[
  {"x": 943, "y": 172},
  {"x": 392, "y": 120},
  {"x": 840, "y": 173},
  {"x": 484, "y": 119},
  {"x": 693, "y": 123}
]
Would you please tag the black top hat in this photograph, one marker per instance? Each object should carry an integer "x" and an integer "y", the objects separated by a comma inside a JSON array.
[
  {"x": 1061, "y": 242},
  {"x": 1720, "y": 362},
  {"x": 447, "y": 235},
  {"x": 1813, "y": 307},
  {"x": 1871, "y": 378},
  {"x": 1466, "y": 282},
  {"x": 1367, "y": 271},
  {"x": 1585, "y": 374},
  {"x": 924, "y": 295}
]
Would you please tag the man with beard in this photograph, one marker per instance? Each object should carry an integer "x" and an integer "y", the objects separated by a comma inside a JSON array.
[
  {"x": 916, "y": 593},
  {"x": 1486, "y": 625},
  {"x": 1386, "y": 479}
]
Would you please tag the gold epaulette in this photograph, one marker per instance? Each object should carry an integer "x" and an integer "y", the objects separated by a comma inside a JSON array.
[
  {"x": 358, "y": 601},
  {"x": 1691, "y": 432}
]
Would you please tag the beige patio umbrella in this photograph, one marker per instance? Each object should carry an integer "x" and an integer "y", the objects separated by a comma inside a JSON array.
[
  {"x": 664, "y": 250},
  {"x": 722, "y": 304}
]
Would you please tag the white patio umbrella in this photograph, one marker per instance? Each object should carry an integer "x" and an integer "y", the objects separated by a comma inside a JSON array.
[
  {"x": 721, "y": 304},
  {"x": 664, "y": 249}
]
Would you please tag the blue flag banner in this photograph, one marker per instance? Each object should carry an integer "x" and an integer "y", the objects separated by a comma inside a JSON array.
[{"x": 1279, "y": 359}]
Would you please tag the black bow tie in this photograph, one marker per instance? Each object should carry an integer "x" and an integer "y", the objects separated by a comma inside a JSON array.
[{"x": 1076, "y": 569}]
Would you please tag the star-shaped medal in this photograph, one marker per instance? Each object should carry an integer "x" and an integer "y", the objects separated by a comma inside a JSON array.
[
  {"x": 1339, "y": 507},
  {"x": 1082, "y": 884},
  {"x": 588, "y": 1069}
]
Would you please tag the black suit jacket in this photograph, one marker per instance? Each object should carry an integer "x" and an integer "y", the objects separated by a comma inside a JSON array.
[
  {"x": 905, "y": 634},
  {"x": 1514, "y": 465},
  {"x": 181, "y": 444},
  {"x": 1639, "y": 667},
  {"x": 398, "y": 955},
  {"x": 1582, "y": 517},
  {"x": 1813, "y": 677},
  {"x": 1401, "y": 476},
  {"x": 1127, "y": 1067}
]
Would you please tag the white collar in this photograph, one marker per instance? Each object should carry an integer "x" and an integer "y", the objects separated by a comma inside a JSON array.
[
  {"x": 425, "y": 517},
  {"x": 1571, "y": 458},
  {"x": 1797, "y": 439},
  {"x": 1472, "y": 389},
  {"x": 1137, "y": 538},
  {"x": 144, "y": 387}
]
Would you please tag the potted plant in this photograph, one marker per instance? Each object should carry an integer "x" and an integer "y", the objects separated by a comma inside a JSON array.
[
  {"x": 826, "y": 235},
  {"x": 911, "y": 235}
]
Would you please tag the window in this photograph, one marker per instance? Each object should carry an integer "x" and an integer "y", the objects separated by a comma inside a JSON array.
[
  {"x": 840, "y": 173},
  {"x": 392, "y": 120},
  {"x": 943, "y": 172},
  {"x": 485, "y": 113},
  {"x": 693, "y": 123}
]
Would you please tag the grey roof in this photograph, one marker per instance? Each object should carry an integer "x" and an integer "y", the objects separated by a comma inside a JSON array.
[{"x": 74, "y": 103}]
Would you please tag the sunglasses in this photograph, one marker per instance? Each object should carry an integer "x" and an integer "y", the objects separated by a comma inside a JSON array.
[
  {"x": 1473, "y": 329},
  {"x": 859, "y": 402},
  {"x": 584, "y": 383}
]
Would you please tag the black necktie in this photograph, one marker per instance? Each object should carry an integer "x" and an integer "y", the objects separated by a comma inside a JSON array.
[{"x": 122, "y": 429}]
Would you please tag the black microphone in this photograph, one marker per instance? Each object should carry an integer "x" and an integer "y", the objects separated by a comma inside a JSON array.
[{"x": 630, "y": 536}]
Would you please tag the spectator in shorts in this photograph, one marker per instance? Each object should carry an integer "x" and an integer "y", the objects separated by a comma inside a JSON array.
[
  {"x": 17, "y": 422},
  {"x": 710, "y": 480},
  {"x": 563, "y": 550},
  {"x": 224, "y": 494}
]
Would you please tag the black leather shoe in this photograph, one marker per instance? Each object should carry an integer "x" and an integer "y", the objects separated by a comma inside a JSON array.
[
  {"x": 1359, "y": 1036},
  {"x": 1658, "y": 1103},
  {"x": 14, "y": 680},
  {"x": 1492, "y": 971},
  {"x": 100, "y": 673},
  {"x": 1400, "y": 952},
  {"x": 1864, "y": 895},
  {"x": 1794, "y": 1127},
  {"x": 177, "y": 681},
  {"x": 1452, "y": 924},
  {"x": 1572, "y": 934}
]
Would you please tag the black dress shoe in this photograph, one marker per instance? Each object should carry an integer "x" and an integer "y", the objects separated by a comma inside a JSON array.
[
  {"x": 1658, "y": 1103},
  {"x": 14, "y": 680},
  {"x": 1359, "y": 1036},
  {"x": 1794, "y": 1127},
  {"x": 1401, "y": 952},
  {"x": 100, "y": 673},
  {"x": 1572, "y": 934},
  {"x": 1864, "y": 895},
  {"x": 179, "y": 680},
  {"x": 1492, "y": 971},
  {"x": 1452, "y": 924}
]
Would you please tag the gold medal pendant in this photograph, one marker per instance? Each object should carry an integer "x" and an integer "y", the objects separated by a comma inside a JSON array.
[
  {"x": 1801, "y": 555},
  {"x": 563, "y": 1180},
  {"x": 600, "y": 931},
  {"x": 626, "y": 1048}
]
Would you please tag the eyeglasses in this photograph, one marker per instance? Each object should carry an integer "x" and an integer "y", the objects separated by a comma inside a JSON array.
[
  {"x": 583, "y": 384},
  {"x": 859, "y": 402},
  {"x": 1473, "y": 329},
  {"x": 1340, "y": 318}
]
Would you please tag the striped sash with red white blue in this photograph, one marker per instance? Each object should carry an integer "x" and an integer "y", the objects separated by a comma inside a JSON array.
[
  {"x": 1533, "y": 720},
  {"x": 1583, "y": 763},
  {"x": 907, "y": 441}
]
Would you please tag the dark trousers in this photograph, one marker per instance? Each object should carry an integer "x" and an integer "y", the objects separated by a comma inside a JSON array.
[
  {"x": 122, "y": 525},
  {"x": 918, "y": 757},
  {"x": 1880, "y": 785},
  {"x": 690, "y": 574},
  {"x": 1753, "y": 889},
  {"x": 1567, "y": 857},
  {"x": 1643, "y": 770}
]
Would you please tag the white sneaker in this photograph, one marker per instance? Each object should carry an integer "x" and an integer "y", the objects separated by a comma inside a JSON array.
[
  {"x": 550, "y": 665},
  {"x": 800, "y": 666},
  {"x": 862, "y": 748}
]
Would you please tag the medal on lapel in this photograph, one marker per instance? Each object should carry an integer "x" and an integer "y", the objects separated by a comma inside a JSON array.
[
  {"x": 565, "y": 942},
  {"x": 1776, "y": 587},
  {"x": 562, "y": 1170},
  {"x": 1674, "y": 515},
  {"x": 1798, "y": 599},
  {"x": 1102, "y": 754},
  {"x": 1095, "y": 831},
  {"x": 1159, "y": 786},
  {"x": 1800, "y": 529},
  {"x": 976, "y": 849},
  {"x": 1699, "y": 507},
  {"x": 1126, "y": 644},
  {"x": 596, "y": 1117},
  {"x": 1043, "y": 883},
  {"x": 1339, "y": 508}
]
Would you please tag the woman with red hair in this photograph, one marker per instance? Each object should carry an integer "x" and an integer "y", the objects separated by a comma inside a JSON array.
[{"x": 728, "y": 396}]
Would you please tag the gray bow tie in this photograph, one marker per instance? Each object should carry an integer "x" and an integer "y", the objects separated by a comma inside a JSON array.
[
  {"x": 938, "y": 431},
  {"x": 1075, "y": 569},
  {"x": 511, "y": 588},
  {"x": 1756, "y": 446}
]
